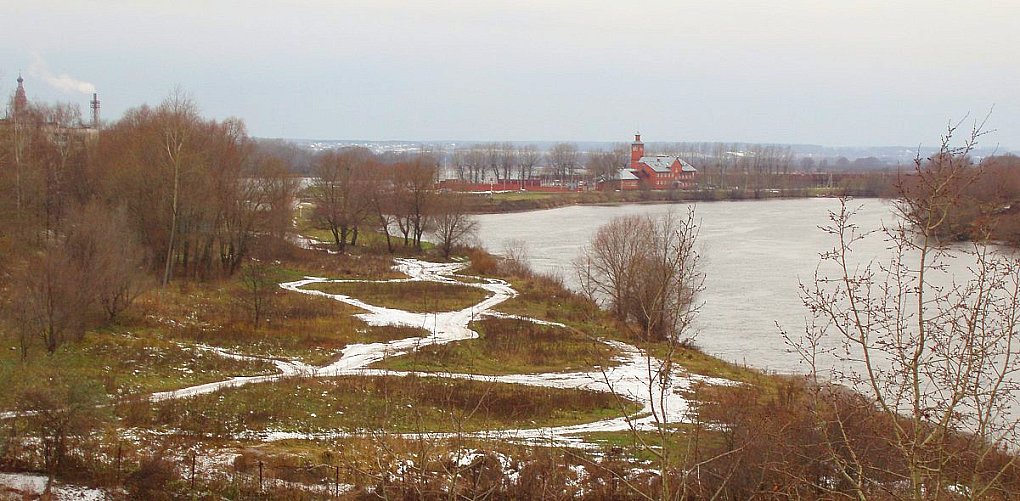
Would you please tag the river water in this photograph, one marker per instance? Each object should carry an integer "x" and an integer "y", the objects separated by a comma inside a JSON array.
[{"x": 754, "y": 256}]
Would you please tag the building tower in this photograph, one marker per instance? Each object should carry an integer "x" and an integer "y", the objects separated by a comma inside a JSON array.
[
  {"x": 637, "y": 150},
  {"x": 95, "y": 111},
  {"x": 20, "y": 99}
]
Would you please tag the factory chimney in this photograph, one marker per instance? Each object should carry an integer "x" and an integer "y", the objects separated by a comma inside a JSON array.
[{"x": 95, "y": 111}]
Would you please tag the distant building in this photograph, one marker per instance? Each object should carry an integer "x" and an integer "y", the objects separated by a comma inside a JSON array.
[
  {"x": 624, "y": 179},
  {"x": 19, "y": 114},
  {"x": 18, "y": 109},
  {"x": 20, "y": 98},
  {"x": 657, "y": 172}
]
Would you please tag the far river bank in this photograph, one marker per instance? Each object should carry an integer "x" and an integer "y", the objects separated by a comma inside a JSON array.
[{"x": 524, "y": 201}]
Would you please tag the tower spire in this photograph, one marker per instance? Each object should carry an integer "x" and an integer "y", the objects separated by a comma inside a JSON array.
[{"x": 20, "y": 98}]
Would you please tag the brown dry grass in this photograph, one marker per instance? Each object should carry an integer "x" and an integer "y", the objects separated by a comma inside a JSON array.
[
  {"x": 309, "y": 328},
  {"x": 388, "y": 403},
  {"x": 509, "y": 346},
  {"x": 420, "y": 297}
]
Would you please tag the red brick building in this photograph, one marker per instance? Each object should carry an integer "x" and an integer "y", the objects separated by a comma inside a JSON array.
[
  {"x": 656, "y": 172},
  {"x": 659, "y": 172}
]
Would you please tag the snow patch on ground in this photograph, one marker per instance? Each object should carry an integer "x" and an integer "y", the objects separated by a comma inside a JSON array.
[
  {"x": 20, "y": 484},
  {"x": 637, "y": 376}
]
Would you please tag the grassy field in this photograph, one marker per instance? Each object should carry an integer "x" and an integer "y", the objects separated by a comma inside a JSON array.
[
  {"x": 507, "y": 346},
  {"x": 296, "y": 326},
  {"x": 151, "y": 346},
  {"x": 682, "y": 440},
  {"x": 512, "y": 196},
  {"x": 393, "y": 404},
  {"x": 121, "y": 363},
  {"x": 420, "y": 297},
  {"x": 370, "y": 240},
  {"x": 545, "y": 298}
]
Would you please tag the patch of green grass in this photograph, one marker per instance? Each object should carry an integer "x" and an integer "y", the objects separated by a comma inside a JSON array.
[
  {"x": 544, "y": 298},
  {"x": 682, "y": 440},
  {"x": 389, "y": 403},
  {"x": 509, "y": 346},
  {"x": 547, "y": 298},
  {"x": 124, "y": 364},
  {"x": 362, "y": 265},
  {"x": 421, "y": 297},
  {"x": 298, "y": 326},
  {"x": 369, "y": 240},
  {"x": 698, "y": 362},
  {"x": 524, "y": 195}
]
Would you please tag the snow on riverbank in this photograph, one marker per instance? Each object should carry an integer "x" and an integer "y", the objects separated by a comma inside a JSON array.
[{"x": 635, "y": 378}]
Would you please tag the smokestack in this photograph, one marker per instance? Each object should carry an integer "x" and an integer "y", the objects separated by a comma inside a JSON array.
[{"x": 95, "y": 111}]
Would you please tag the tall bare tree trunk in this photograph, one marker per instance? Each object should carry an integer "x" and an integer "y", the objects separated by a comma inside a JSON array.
[{"x": 175, "y": 158}]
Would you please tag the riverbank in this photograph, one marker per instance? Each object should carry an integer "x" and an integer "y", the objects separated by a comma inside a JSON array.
[
  {"x": 314, "y": 376},
  {"x": 396, "y": 397},
  {"x": 524, "y": 201}
]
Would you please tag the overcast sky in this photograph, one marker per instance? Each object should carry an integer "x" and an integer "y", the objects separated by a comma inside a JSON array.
[{"x": 826, "y": 72}]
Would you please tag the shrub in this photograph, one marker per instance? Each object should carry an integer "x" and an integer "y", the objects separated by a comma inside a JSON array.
[
  {"x": 152, "y": 479},
  {"x": 482, "y": 263}
]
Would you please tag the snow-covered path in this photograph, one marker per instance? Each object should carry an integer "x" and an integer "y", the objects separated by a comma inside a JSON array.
[{"x": 634, "y": 377}]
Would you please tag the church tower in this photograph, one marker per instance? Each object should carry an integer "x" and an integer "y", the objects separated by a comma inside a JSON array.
[
  {"x": 20, "y": 99},
  {"x": 637, "y": 150}
]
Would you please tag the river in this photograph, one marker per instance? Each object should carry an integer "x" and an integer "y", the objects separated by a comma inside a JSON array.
[{"x": 754, "y": 256}]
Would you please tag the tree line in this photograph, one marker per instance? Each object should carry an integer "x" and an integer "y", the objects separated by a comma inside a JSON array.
[
  {"x": 89, "y": 218},
  {"x": 739, "y": 166},
  {"x": 353, "y": 190},
  {"x": 987, "y": 198}
]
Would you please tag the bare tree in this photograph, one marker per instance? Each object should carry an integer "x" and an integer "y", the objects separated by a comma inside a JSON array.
[
  {"x": 379, "y": 187},
  {"x": 528, "y": 157},
  {"x": 65, "y": 413},
  {"x": 268, "y": 196},
  {"x": 414, "y": 184},
  {"x": 341, "y": 203},
  {"x": 111, "y": 255},
  {"x": 646, "y": 269},
  {"x": 51, "y": 300},
  {"x": 564, "y": 159},
  {"x": 515, "y": 258},
  {"x": 507, "y": 161},
  {"x": 257, "y": 279},
  {"x": 197, "y": 192},
  {"x": 604, "y": 164},
  {"x": 179, "y": 112},
  {"x": 937, "y": 355},
  {"x": 453, "y": 222}
]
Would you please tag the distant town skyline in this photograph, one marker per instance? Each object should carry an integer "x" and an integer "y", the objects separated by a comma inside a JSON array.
[{"x": 795, "y": 72}]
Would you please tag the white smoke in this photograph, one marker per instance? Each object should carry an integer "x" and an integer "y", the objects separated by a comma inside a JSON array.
[{"x": 62, "y": 82}]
